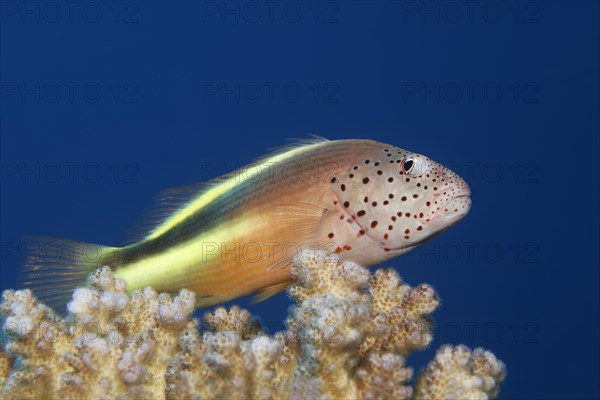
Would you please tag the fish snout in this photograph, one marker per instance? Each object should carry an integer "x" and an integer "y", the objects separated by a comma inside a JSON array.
[
  {"x": 451, "y": 200},
  {"x": 457, "y": 201}
]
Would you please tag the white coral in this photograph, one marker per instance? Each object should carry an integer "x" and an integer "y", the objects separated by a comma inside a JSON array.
[
  {"x": 458, "y": 373},
  {"x": 347, "y": 337}
]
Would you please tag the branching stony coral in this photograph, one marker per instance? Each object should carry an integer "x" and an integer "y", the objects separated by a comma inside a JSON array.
[
  {"x": 347, "y": 337},
  {"x": 5, "y": 366},
  {"x": 458, "y": 373},
  {"x": 111, "y": 345}
]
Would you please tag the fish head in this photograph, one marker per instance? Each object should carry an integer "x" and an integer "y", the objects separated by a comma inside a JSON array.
[{"x": 400, "y": 199}]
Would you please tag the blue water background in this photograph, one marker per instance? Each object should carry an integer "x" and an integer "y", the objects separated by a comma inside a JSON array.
[{"x": 104, "y": 104}]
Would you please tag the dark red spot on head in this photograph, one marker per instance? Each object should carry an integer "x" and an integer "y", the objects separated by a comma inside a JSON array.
[
  {"x": 361, "y": 213},
  {"x": 343, "y": 187},
  {"x": 365, "y": 180},
  {"x": 361, "y": 232},
  {"x": 386, "y": 236},
  {"x": 373, "y": 224},
  {"x": 330, "y": 235},
  {"x": 346, "y": 204},
  {"x": 419, "y": 228}
]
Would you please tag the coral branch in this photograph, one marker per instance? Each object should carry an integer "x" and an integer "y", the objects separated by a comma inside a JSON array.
[
  {"x": 458, "y": 373},
  {"x": 111, "y": 345},
  {"x": 347, "y": 337}
]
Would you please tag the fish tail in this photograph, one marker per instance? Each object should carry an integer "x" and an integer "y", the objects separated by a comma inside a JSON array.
[{"x": 55, "y": 267}]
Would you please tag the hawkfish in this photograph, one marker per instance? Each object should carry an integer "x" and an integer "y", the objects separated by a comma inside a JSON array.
[{"x": 237, "y": 235}]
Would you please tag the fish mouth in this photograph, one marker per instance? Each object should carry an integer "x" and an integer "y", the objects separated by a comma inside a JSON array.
[
  {"x": 458, "y": 207},
  {"x": 454, "y": 208}
]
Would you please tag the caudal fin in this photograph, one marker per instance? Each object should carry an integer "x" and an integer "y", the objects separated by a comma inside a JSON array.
[{"x": 54, "y": 267}]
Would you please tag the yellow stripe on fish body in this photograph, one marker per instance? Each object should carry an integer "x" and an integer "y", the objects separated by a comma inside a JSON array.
[
  {"x": 222, "y": 188},
  {"x": 176, "y": 266},
  {"x": 196, "y": 265}
]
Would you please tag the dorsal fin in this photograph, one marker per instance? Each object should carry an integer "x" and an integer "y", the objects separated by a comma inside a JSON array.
[
  {"x": 164, "y": 204},
  {"x": 293, "y": 143}
]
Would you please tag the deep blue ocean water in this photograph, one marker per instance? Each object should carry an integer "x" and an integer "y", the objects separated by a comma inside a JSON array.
[{"x": 105, "y": 103}]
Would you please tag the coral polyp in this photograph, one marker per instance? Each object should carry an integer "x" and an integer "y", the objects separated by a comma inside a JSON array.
[{"x": 348, "y": 336}]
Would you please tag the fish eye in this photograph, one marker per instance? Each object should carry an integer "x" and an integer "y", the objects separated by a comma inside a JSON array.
[{"x": 412, "y": 167}]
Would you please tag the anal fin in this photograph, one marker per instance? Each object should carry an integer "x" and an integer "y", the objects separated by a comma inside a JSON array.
[
  {"x": 270, "y": 291},
  {"x": 207, "y": 300}
]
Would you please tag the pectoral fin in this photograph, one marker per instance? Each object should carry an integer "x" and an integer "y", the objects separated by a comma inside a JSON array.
[{"x": 296, "y": 226}]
